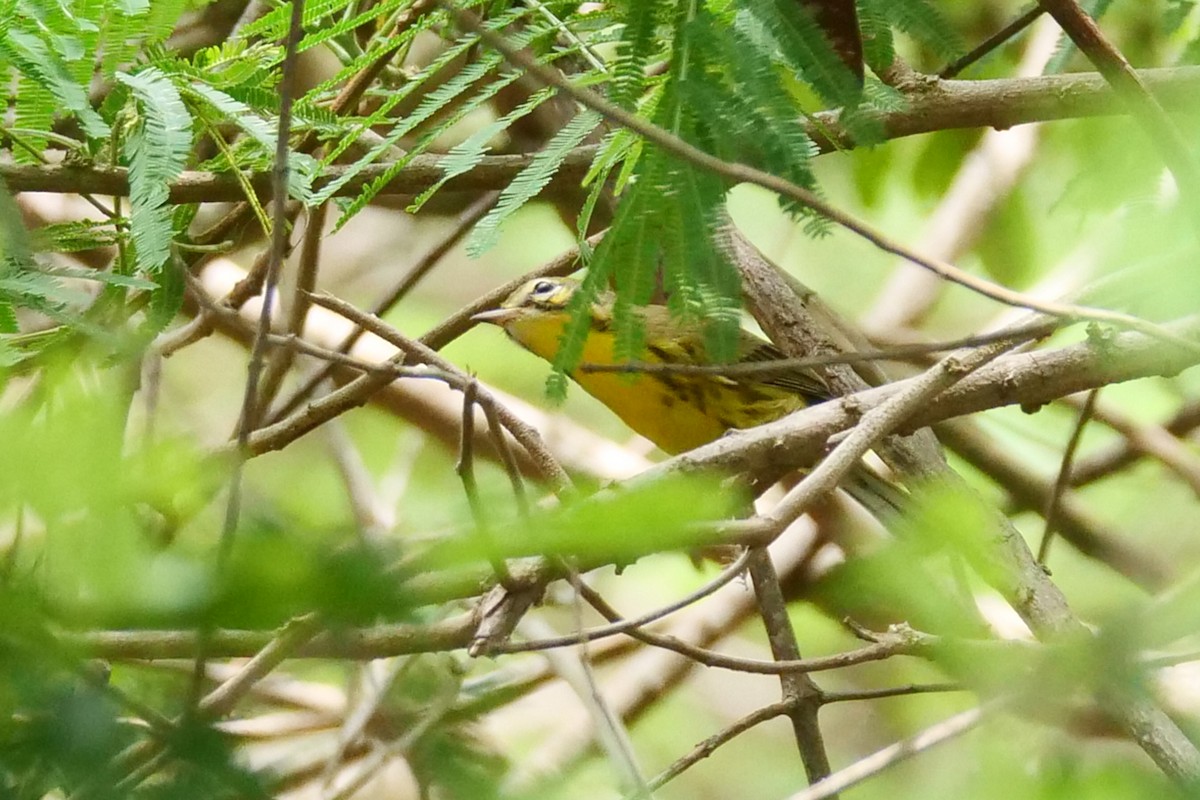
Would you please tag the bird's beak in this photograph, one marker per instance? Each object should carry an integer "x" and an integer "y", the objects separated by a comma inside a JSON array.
[{"x": 497, "y": 316}]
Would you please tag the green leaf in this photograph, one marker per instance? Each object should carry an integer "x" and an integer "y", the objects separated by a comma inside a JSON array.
[
  {"x": 463, "y": 157},
  {"x": 157, "y": 150},
  {"x": 921, "y": 20},
  {"x": 788, "y": 28},
  {"x": 34, "y": 110},
  {"x": 618, "y": 527},
  {"x": 638, "y": 43},
  {"x": 348, "y": 23},
  {"x": 236, "y": 112},
  {"x": 879, "y": 46},
  {"x": 466, "y": 80},
  {"x": 532, "y": 179},
  {"x": 36, "y": 60},
  {"x": 76, "y": 235},
  {"x": 274, "y": 24}
]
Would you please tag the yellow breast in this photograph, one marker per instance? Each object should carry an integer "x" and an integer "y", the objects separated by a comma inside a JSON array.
[{"x": 676, "y": 412}]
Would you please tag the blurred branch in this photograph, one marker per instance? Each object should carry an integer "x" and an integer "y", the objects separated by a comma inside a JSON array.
[
  {"x": 985, "y": 178},
  {"x": 140, "y": 760},
  {"x": 1133, "y": 92},
  {"x": 1121, "y": 455},
  {"x": 873, "y": 764},
  {"x": 358, "y": 644},
  {"x": 1151, "y": 441},
  {"x": 1075, "y": 521}
]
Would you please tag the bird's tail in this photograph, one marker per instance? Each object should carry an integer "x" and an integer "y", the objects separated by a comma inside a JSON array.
[{"x": 885, "y": 499}]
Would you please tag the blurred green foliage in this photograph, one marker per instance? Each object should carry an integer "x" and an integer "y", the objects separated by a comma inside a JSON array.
[{"x": 111, "y": 515}]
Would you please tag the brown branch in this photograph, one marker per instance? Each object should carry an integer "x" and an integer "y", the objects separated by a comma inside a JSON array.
[
  {"x": 893, "y": 691},
  {"x": 988, "y": 45},
  {"x": 1119, "y": 456},
  {"x": 1026, "y": 379},
  {"x": 422, "y": 172},
  {"x": 933, "y": 106},
  {"x": 799, "y": 690}
]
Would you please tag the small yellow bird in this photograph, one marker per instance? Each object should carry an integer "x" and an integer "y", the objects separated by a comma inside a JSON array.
[{"x": 677, "y": 412}]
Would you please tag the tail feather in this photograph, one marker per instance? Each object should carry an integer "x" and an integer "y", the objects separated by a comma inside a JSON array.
[{"x": 885, "y": 499}]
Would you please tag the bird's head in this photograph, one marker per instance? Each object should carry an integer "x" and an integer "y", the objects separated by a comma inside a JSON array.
[{"x": 536, "y": 297}]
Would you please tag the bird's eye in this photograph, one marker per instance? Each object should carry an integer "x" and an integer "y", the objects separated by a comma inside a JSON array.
[{"x": 543, "y": 288}]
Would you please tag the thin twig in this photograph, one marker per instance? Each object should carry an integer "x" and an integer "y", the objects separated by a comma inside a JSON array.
[
  {"x": 511, "y": 468},
  {"x": 465, "y": 468},
  {"x": 889, "y": 756},
  {"x": 1053, "y": 503},
  {"x": 1087, "y": 534},
  {"x": 892, "y": 691},
  {"x": 625, "y": 625},
  {"x": 432, "y": 257},
  {"x": 1152, "y": 441},
  {"x": 609, "y": 725},
  {"x": 781, "y": 365},
  {"x": 279, "y": 243},
  {"x": 996, "y": 40},
  {"x": 709, "y": 746},
  {"x": 985, "y": 177}
]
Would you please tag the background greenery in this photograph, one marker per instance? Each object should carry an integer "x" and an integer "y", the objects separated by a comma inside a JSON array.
[{"x": 124, "y": 506}]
